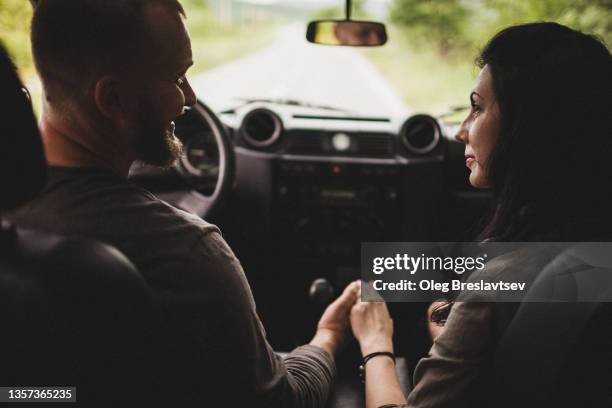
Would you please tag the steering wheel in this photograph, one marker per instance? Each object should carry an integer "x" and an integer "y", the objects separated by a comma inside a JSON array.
[{"x": 207, "y": 166}]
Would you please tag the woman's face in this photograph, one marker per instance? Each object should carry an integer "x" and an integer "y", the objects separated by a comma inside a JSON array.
[{"x": 480, "y": 129}]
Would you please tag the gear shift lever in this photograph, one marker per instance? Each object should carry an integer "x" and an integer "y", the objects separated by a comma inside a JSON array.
[{"x": 321, "y": 292}]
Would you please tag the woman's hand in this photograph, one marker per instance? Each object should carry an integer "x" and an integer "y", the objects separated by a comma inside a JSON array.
[{"x": 372, "y": 327}]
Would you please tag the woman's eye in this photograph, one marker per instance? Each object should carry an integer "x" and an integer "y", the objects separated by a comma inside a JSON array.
[{"x": 475, "y": 108}]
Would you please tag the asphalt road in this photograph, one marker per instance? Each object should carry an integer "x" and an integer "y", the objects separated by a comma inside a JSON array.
[{"x": 292, "y": 68}]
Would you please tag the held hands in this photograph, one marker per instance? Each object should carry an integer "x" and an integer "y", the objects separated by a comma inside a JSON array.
[{"x": 370, "y": 322}]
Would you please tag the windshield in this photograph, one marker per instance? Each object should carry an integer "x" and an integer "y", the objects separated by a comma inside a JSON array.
[
  {"x": 290, "y": 68},
  {"x": 256, "y": 50}
]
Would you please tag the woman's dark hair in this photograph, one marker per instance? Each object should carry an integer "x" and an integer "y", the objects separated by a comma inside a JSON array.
[{"x": 551, "y": 168}]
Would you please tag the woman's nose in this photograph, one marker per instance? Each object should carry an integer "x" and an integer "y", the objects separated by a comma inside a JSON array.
[{"x": 462, "y": 133}]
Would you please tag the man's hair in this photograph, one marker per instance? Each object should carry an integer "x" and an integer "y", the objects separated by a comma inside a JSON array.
[{"x": 74, "y": 39}]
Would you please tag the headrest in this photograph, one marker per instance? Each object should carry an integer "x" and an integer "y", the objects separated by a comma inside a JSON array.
[{"x": 22, "y": 159}]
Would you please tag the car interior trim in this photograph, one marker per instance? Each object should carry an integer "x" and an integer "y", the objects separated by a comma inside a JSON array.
[{"x": 340, "y": 159}]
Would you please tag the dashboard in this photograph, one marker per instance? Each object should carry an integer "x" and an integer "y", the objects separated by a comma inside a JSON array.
[
  {"x": 311, "y": 184},
  {"x": 331, "y": 180}
]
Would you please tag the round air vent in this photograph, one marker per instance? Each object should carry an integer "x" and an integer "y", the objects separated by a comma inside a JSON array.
[
  {"x": 420, "y": 134},
  {"x": 261, "y": 128}
]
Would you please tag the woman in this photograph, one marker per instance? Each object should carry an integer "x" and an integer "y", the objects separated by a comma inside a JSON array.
[{"x": 539, "y": 134}]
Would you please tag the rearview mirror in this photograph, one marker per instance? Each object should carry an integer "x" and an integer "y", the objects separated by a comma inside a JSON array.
[{"x": 346, "y": 32}]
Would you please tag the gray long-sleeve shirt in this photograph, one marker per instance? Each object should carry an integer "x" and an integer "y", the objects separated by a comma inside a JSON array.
[
  {"x": 197, "y": 278},
  {"x": 461, "y": 358}
]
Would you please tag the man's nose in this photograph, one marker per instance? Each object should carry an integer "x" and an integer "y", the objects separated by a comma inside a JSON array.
[{"x": 190, "y": 96}]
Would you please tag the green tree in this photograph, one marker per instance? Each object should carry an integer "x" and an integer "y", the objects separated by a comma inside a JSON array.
[
  {"x": 589, "y": 16},
  {"x": 442, "y": 22},
  {"x": 463, "y": 25},
  {"x": 15, "y": 18},
  {"x": 358, "y": 11}
]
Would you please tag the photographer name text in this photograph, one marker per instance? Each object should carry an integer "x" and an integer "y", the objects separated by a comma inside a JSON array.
[{"x": 454, "y": 285}]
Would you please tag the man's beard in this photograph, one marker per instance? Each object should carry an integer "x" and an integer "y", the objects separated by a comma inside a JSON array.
[{"x": 155, "y": 144}]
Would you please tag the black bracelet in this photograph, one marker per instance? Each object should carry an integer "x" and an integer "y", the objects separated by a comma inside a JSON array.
[{"x": 368, "y": 358}]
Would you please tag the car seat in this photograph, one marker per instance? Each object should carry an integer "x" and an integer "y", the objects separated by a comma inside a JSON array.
[{"x": 557, "y": 351}]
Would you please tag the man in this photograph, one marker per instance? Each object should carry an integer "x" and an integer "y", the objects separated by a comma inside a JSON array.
[{"x": 113, "y": 73}]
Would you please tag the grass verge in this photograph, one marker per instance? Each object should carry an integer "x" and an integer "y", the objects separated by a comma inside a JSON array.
[{"x": 428, "y": 81}]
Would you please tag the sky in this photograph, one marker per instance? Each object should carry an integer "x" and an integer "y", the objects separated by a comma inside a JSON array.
[{"x": 375, "y": 7}]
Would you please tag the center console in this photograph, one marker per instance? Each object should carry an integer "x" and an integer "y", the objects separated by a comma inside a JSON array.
[{"x": 326, "y": 209}]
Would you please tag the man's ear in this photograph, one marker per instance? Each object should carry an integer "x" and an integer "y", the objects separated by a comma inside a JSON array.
[{"x": 108, "y": 100}]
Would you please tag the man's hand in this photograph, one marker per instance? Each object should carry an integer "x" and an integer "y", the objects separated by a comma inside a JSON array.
[{"x": 334, "y": 325}]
